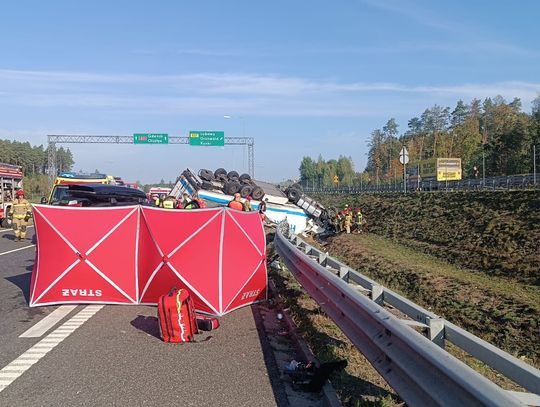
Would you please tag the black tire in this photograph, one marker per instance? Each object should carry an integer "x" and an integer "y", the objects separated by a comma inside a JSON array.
[
  {"x": 232, "y": 174},
  {"x": 294, "y": 194},
  {"x": 231, "y": 187},
  {"x": 245, "y": 190},
  {"x": 257, "y": 193},
  {"x": 297, "y": 186},
  {"x": 220, "y": 171},
  {"x": 207, "y": 185},
  {"x": 206, "y": 175},
  {"x": 244, "y": 178}
]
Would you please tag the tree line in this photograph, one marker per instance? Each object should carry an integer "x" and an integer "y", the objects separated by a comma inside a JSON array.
[
  {"x": 34, "y": 163},
  {"x": 493, "y": 135}
]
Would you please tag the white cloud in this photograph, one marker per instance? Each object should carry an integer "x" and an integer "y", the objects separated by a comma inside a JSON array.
[{"x": 207, "y": 93}]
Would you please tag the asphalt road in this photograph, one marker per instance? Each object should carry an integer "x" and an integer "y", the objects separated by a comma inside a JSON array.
[{"x": 115, "y": 357}]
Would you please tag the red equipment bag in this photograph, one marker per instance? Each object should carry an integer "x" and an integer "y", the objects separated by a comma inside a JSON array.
[
  {"x": 176, "y": 316},
  {"x": 205, "y": 323}
]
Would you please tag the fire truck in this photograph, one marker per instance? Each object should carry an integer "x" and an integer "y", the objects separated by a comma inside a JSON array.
[{"x": 11, "y": 179}]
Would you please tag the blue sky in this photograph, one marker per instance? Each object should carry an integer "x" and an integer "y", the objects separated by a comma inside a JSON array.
[{"x": 301, "y": 77}]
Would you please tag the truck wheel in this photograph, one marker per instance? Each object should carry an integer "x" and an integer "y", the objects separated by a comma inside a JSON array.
[
  {"x": 206, "y": 175},
  {"x": 257, "y": 193},
  {"x": 297, "y": 186},
  {"x": 207, "y": 185},
  {"x": 244, "y": 178},
  {"x": 231, "y": 187},
  {"x": 222, "y": 178},
  {"x": 245, "y": 191},
  {"x": 220, "y": 171},
  {"x": 232, "y": 175},
  {"x": 294, "y": 194}
]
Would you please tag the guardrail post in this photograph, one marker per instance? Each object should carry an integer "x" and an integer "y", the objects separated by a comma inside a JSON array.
[
  {"x": 436, "y": 331},
  {"x": 377, "y": 294},
  {"x": 322, "y": 258},
  {"x": 344, "y": 273}
]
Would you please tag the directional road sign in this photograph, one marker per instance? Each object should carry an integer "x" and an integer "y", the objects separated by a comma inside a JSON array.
[
  {"x": 404, "y": 156},
  {"x": 207, "y": 138},
  {"x": 150, "y": 138}
]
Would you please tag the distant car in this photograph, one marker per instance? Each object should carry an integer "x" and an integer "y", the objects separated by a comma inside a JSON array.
[{"x": 96, "y": 195}]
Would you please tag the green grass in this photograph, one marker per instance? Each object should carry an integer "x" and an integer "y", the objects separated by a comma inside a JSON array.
[{"x": 424, "y": 263}]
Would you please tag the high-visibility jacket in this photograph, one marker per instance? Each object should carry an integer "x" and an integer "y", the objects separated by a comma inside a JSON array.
[
  {"x": 168, "y": 204},
  {"x": 247, "y": 206},
  {"x": 359, "y": 218},
  {"x": 236, "y": 205},
  {"x": 20, "y": 209}
]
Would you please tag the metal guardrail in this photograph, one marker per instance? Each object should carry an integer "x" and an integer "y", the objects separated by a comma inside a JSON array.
[
  {"x": 416, "y": 366},
  {"x": 525, "y": 181}
]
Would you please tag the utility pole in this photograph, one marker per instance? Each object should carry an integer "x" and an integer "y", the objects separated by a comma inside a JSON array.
[
  {"x": 484, "y": 169},
  {"x": 534, "y": 164}
]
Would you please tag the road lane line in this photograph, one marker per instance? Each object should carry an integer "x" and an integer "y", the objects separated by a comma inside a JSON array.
[
  {"x": 16, "y": 250},
  {"x": 8, "y": 230},
  {"x": 40, "y": 328},
  {"x": 9, "y": 373}
]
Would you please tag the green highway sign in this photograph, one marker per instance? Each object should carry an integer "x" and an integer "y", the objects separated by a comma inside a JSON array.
[
  {"x": 207, "y": 138},
  {"x": 150, "y": 138}
]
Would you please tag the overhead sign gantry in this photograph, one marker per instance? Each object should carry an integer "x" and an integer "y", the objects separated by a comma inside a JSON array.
[{"x": 214, "y": 139}]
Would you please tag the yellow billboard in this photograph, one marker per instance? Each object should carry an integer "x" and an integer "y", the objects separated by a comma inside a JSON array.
[{"x": 448, "y": 169}]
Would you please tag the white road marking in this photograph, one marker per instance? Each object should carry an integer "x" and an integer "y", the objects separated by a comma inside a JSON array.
[
  {"x": 48, "y": 322},
  {"x": 11, "y": 230},
  {"x": 16, "y": 368},
  {"x": 16, "y": 250}
]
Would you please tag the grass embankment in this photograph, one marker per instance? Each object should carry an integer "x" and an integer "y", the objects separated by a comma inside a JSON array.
[
  {"x": 497, "y": 233},
  {"x": 486, "y": 277}
]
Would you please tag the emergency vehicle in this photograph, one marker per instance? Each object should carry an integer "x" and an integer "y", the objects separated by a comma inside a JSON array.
[
  {"x": 60, "y": 190},
  {"x": 11, "y": 178}
]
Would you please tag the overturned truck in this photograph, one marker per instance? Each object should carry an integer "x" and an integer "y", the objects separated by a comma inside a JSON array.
[{"x": 218, "y": 187}]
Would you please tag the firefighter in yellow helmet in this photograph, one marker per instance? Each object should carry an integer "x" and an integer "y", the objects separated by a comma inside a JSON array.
[{"x": 20, "y": 211}]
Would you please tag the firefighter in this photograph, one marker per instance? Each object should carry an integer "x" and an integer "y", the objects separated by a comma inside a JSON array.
[
  {"x": 236, "y": 203},
  {"x": 247, "y": 204},
  {"x": 195, "y": 198},
  {"x": 339, "y": 221},
  {"x": 20, "y": 211},
  {"x": 359, "y": 220},
  {"x": 347, "y": 223},
  {"x": 169, "y": 202}
]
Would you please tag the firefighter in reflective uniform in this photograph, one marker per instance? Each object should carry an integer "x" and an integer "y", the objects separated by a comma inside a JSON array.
[
  {"x": 169, "y": 202},
  {"x": 247, "y": 204},
  {"x": 359, "y": 220},
  {"x": 339, "y": 222},
  {"x": 20, "y": 211},
  {"x": 347, "y": 223}
]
